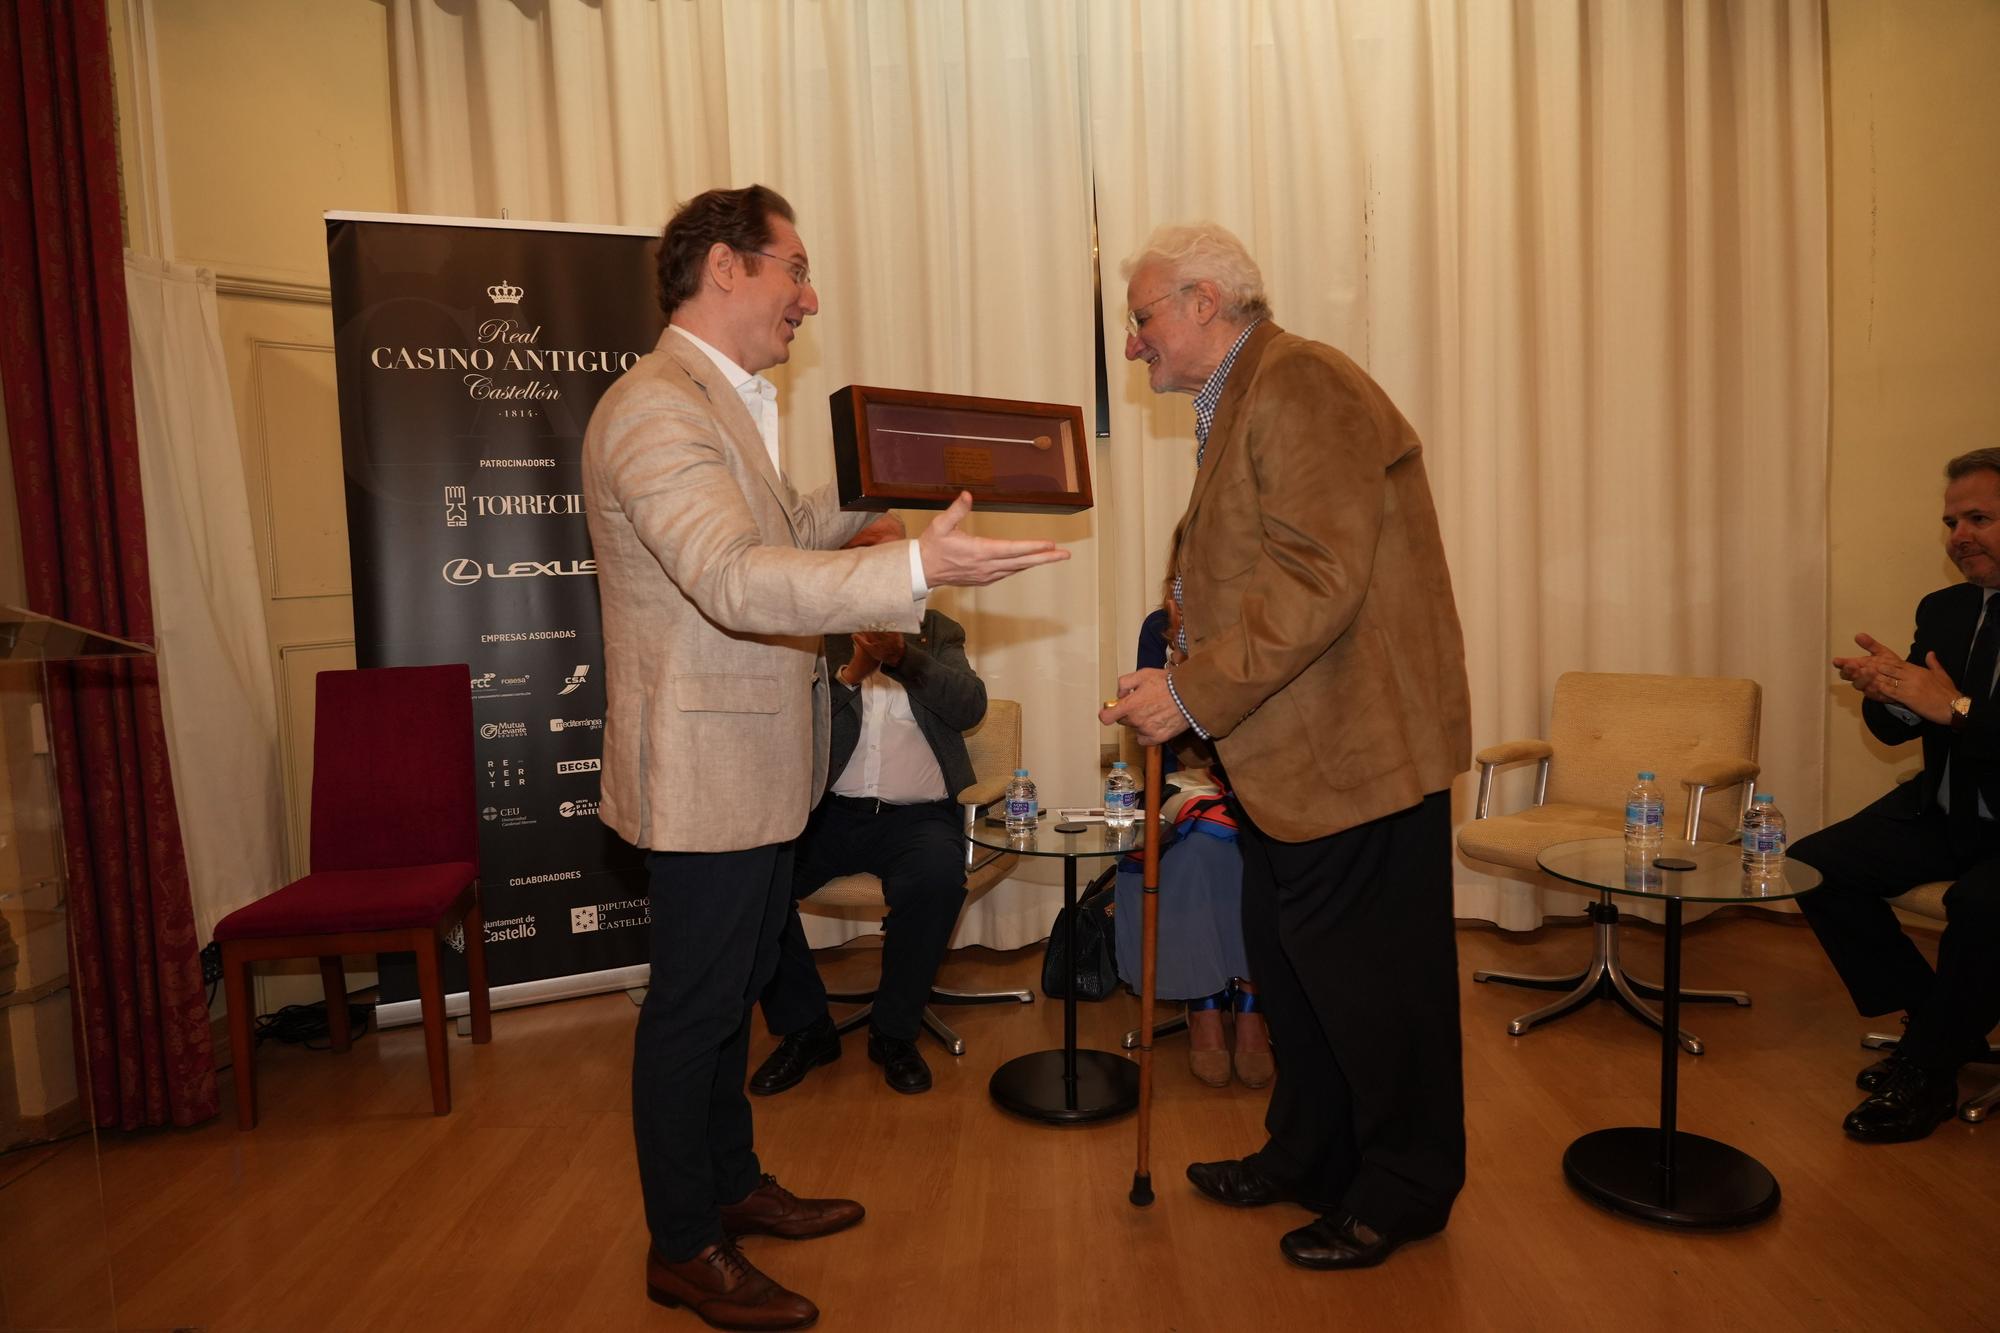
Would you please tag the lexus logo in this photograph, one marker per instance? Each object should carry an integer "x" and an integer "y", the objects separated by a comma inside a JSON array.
[{"x": 465, "y": 573}]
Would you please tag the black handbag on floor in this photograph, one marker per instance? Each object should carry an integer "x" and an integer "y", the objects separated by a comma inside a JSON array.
[{"x": 1095, "y": 973}]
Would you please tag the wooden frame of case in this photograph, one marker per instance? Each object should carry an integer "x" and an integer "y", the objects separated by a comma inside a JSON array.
[{"x": 857, "y": 454}]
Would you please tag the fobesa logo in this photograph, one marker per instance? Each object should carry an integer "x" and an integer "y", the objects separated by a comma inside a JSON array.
[{"x": 464, "y": 573}]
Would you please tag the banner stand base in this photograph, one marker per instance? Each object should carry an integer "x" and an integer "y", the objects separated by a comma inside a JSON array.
[{"x": 631, "y": 980}]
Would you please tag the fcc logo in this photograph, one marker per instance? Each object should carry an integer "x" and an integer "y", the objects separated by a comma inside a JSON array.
[{"x": 574, "y": 681}]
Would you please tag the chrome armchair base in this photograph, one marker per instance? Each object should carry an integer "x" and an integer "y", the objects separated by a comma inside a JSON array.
[
  {"x": 1605, "y": 978},
  {"x": 937, "y": 1027},
  {"x": 1166, "y": 1027}
]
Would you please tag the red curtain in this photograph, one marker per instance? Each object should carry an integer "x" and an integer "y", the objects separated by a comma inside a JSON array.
[{"x": 66, "y": 365}]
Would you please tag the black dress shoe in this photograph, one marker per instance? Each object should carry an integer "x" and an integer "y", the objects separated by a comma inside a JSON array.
[
  {"x": 1875, "y": 1075},
  {"x": 797, "y": 1053},
  {"x": 1238, "y": 1184},
  {"x": 1911, "y": 1102},
  {"x": 903, "y": 1068},
  {"x": 1337, "y": 1242}
]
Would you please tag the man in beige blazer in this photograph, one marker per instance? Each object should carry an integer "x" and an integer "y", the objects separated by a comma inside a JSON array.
[
  {"x": 718, "y": 582},
  {"x": 1320, "y": 652}
]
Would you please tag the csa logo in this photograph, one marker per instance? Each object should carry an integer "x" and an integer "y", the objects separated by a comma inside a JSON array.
[{"x": 572, "y": 682}]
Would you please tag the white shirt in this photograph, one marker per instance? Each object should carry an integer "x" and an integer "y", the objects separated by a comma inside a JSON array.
[
  {"x": 760, "y": 397},
  {"x": 892, "y": 761}
]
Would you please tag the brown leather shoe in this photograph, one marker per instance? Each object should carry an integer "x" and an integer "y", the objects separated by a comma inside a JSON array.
[
  {"x": 773, "y": 1210},
  {"x": 726, "y": 1291}
]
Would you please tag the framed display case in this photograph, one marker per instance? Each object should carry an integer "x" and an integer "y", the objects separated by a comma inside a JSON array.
[{"x": 902, "y": 449}]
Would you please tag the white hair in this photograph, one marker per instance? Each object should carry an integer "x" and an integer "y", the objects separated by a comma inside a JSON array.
[{"x": 1206, "y": 252}]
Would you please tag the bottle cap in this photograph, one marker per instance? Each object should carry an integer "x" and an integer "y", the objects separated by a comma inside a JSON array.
[
  {"x": 1764, "y": 798},
  {"x": 1645, "y": 777},
  {"x": 1118, "y": 763},
  {"x": 1020, "y": 772}
]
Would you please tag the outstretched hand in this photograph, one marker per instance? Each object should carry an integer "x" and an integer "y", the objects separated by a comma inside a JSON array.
[{"x": 960, "y": 560}]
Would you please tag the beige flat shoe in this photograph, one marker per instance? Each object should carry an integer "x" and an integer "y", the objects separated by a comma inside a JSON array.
[{"x": 1210, "y": 1065}]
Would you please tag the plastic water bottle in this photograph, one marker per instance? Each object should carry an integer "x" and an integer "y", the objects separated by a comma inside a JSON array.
[
  {"x": 1645, "y": 815},
  {"x": 1763, "y": 838},
  {"x": 1121, "y": 796},
  {"x": 1021, "y": 803}
]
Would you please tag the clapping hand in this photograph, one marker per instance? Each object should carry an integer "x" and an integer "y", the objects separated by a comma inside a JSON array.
[{"x": 1883, "y": 676}]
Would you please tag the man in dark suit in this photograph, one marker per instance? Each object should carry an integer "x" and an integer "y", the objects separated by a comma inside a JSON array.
[
  {"x": 1939, "y": 827},
  {"x": 900, "y": 702},
  {"x": 1320, "y": 650}
]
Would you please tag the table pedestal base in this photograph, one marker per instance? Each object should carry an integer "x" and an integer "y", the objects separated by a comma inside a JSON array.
[
  {"x": 1711, "y": 1185},
  {"x": 1107, "y": 1085}
]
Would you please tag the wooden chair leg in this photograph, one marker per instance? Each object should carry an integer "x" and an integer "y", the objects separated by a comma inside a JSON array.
[
  {"x": 430, "y": 999},
  {"x": 242, "y": 1041},
  {"x": 333, "y": 978},
  {"x": 475, "y": 973}
]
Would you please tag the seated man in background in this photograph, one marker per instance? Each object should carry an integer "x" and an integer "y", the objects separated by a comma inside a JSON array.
[
  {"x": 900, "y": 702},
  {"x": 1939, "y": 827}
]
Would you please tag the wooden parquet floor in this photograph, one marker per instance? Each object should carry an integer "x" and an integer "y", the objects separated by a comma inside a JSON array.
[{"x": 352, "y": 1208}]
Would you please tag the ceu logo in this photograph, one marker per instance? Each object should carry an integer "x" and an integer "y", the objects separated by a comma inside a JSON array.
[
  {"x": 582, "y": 920},
  {"x": 573, "y": 681},
  {"x": 454, "y": 506},
  {"x": 505, "y": 293},
  {"x": 495, "y": 731},
  {"x": 490, "y": 813},
  {"x": 576, "y": 766}
]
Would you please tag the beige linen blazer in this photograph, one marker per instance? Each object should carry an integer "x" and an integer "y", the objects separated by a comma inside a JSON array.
[
  {"x": 1324, "y": 649},
  {"x": 718, "y": 582}
]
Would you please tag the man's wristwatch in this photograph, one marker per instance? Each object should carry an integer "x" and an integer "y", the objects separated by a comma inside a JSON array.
[{"x": 1961, "y": 712}]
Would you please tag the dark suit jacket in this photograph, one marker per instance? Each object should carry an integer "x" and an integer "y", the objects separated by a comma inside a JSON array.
[
  {"x": 946, "y": 696},
  {"x": 1945, "y": 623},
  {"x": 1323, "y": 644}
]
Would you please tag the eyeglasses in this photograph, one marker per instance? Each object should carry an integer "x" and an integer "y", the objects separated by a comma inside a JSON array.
[
  {"x": 1133, "y": 320},
  {"x": 800, "y": 273}
]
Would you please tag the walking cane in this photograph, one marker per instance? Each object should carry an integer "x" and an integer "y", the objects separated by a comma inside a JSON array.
[{"x": 1149, "y": 930}]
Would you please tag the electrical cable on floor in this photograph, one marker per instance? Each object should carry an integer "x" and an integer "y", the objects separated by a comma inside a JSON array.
[{"x": 305, "y": 1024}]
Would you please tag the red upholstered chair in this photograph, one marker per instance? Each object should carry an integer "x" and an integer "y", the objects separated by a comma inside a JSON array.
[{"x": 395, "y": 859}]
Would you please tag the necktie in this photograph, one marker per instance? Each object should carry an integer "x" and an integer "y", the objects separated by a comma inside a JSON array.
[{"x": 1977, "y": 683}]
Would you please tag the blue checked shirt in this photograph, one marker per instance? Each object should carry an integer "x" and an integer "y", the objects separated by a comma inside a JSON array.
[{"x": 1205, "y": 404}]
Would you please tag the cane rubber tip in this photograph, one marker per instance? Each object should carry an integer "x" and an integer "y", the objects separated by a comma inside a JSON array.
[{"x": 1142, "y": 1191}]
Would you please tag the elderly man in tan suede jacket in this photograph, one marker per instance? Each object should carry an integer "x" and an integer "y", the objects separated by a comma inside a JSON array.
[
  {"x": 718, "y": 581},
  {"x": 1320, "y": 652}
]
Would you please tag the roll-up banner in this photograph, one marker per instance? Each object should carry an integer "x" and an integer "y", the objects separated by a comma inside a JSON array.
[{"x": 468, "y": 355}]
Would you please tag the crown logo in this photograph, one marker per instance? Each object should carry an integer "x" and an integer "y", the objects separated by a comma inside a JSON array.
[{"x": 506, "y": 293}]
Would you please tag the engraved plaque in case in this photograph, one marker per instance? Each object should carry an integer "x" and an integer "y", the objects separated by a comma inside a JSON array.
[{"x": 901, "y": 449}]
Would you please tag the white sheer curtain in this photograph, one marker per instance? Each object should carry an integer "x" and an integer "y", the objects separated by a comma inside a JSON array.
[
  {"x": 1583, "y": 246},
  {"x": 935, "y": 154},
  {"x": 216, "y": 686}
]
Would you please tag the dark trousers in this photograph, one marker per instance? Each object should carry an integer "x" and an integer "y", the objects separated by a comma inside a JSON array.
[
  {"x": 918, "y": 852},
  {"x": 1869, "y": 858},
  {"x": 1350, "y": 939},
  {"x": 716, "y": 920}
]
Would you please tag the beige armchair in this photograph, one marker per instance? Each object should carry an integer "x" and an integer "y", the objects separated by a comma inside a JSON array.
[
  {"x": 994, "y": 746},
  {"x": 1927, "y": 900},
  {"x": 1696, "y": 734}
]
